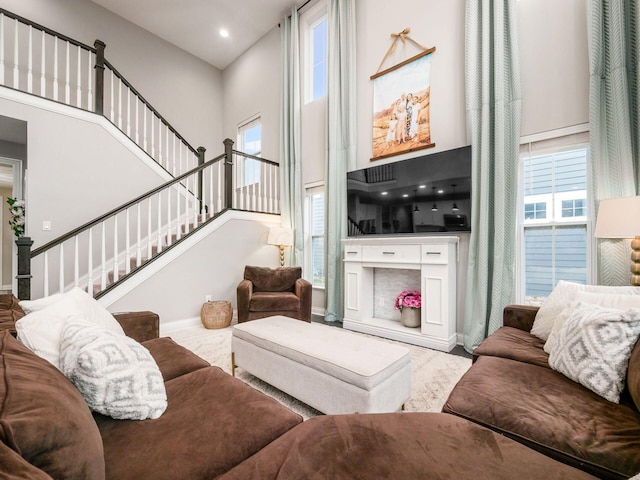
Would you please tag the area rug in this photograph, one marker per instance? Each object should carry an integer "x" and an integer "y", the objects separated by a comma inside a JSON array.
[{"x": 433, "y": 373}]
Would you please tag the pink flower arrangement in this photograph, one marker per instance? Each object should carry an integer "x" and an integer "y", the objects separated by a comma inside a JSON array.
[{"x": 408, "y": 298}]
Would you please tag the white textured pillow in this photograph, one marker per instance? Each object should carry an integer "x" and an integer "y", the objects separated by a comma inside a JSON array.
[
  {"x": 116, "y": 375},
  {"x": 30, "y": 306},
  {"x": 561, "y": 297},
  {"x": 620, "y": 302},
  {"x": 594, "y": 346},
  {"x": 41, "y": 330}
]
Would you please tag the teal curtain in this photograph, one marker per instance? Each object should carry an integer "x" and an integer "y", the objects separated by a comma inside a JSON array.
[
  {"x": 341, "y": 114},
  {"x": 614, "y": 52},
  {"x": 290, "y": 162},
  {"x": 493, "y": 105}
]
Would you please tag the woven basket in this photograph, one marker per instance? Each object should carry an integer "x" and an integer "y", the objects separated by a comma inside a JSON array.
[{"x": 216, "y": 314}]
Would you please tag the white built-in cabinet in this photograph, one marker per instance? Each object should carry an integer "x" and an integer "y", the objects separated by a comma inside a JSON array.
[{"x": 434, "y": 258}]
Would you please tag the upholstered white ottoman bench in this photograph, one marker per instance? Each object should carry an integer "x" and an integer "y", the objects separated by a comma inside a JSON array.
[{"x": 329, "y": 369}]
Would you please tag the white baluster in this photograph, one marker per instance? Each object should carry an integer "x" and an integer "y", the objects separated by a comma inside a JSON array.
[
  {"x": 119, "y": 103},
  {"x": 196, "y": 199},
  {"x": 153, "y": 137},
  {"x": 211, "y": 192},
  {"x": 30, "y": 62},
  {"x": 61, "y": 267},
  {"x": 112, "y": 113},
  {"x": 169, "y": 239},
  {"x": 128, "y": 113},
  {"x": 168, "y": 159},
  {"x": 137, "y": 121},
  {"x": 90, "y": 105},
  {"x": 260, "y": 193},
  {"x": 144, "y": 127},
  {"x": 2, "y": 48},
  {"x": 46, "y": 273},
  {"x": 220, "y": 172},
  {"x": 159, "y": 228},
  {"x": 90, "y": 264},
  {"x": 67, "y": 85},
  {"x": 103, "y": 266},
  {"x": 43, "y": 78},
  {"x": 76, "y": 262},
  {"x": 127, "y": 241},
  {"x": 16, "y": 69},
  {"x": 149, "y": 228},
  {"x": 138, "y": 239},
  {"x": 160, "y": 152},
  {"x": 115, "y": 248},
  {"x": 55, "y": 68},
  {"x": 180, "y": 171},
  {"x": 79, "y": 80}
]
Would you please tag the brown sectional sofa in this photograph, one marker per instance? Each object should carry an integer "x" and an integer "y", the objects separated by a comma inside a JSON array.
[
  {"x": 212, "y": 423},
  {"x": 511, "y": 389}
]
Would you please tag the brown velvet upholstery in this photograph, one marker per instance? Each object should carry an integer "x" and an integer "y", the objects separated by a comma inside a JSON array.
[
  {"x": 44, "y": 418},
  {"x": 173, "y": 360},
  {"x": 212, "y": 423},
  {"x": 406, "y": 446},
  {"x": 10, "y": 312},
  {"x": 141, "y": 326},
  {"x": 14, "y": 467},
  {"x": 633, "y": 375},
  {"x": 519, "y": 316},
  {"x": 273, "y": 291},
  {"x": 510, "y": 342}
]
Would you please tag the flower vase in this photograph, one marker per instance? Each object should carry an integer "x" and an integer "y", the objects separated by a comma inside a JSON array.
[{"x": 410, "y": 317}]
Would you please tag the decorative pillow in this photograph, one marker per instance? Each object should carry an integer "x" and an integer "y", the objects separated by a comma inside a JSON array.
[
  {"x": 620, "y": 302},
  {"x": 44, "y": 418},
  {"x": 594, "y": 346},
  {"x": 30, "y": 306},
  {"x": 116, "y": 375},
  {"x": 41, "y": 330},
  {"x": 561, "y": 296}
]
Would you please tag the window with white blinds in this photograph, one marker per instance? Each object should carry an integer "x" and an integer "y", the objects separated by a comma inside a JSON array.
[
  {"x": 315, "y": 260},
  {"x": 555, "y": 215}
]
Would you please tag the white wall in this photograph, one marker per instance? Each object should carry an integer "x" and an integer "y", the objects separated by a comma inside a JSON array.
[{"x": 183, "y": 88}]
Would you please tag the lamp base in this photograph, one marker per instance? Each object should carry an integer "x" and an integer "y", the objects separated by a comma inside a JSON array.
[
  {"x": 635, "y": 262},
  {"x": 281, "y": 256}
]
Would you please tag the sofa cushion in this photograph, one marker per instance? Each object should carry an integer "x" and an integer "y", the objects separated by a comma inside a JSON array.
[
  {"x": 41, "y": 330},
  {"x": 397, "y": 446},
  {"x": 14, "y": 467},
  {"x": 266, "y": 279},
  {"x": 593, "y": 348},
  {"x": 44, "y": 418},
  {"x": 10, "y": 312},
  {"x": 621, "y": 302},
  {"x": 552, "y": 414},
  {"x": 172, "y": 359},
  {"x": 633, "y": 375},
  {"x": 563, "y": 295},
  {"x": 513, "y": 343},
  {"x": 115, "y": 374},
  {"x": 274, "y": 302},
  {"x": 212, "y": 423}
]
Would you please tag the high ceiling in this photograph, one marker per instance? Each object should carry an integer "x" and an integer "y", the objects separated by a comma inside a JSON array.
[{"x": 194, "y": 25}]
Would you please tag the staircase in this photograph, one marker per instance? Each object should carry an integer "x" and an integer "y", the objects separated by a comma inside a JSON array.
[{"x": 108, "y": 251}]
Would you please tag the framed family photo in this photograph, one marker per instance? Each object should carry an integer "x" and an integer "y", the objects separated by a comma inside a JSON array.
[{"x": 401, "y": 100}]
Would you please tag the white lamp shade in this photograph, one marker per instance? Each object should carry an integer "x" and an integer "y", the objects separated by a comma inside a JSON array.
[
  {"x": 280, "y": 236},
  {"x": 618, "y": 218}
]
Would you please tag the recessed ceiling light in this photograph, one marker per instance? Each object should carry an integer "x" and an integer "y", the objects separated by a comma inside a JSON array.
[
  {"x": 405, "y": 195},
  {"x": 422, "y": 186},
  {"x": 224, "y": 33},
  {"x": 384, "y": 193},
  {"x": 440, "y": 191}
]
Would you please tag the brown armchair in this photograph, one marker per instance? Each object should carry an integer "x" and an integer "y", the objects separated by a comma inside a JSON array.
[{"x": 273, "y": 291}]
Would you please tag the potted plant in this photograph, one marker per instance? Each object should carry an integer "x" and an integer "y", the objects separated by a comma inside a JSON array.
[{"x": 409, "y": 303}]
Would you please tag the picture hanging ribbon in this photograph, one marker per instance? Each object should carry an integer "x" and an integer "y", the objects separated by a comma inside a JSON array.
[{"x": 403, "y": 36}]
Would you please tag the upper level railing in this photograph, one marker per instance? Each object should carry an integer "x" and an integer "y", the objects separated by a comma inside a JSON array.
[
  {"x": 113, "y": 246},
  {"x": 42, "y": 62}
]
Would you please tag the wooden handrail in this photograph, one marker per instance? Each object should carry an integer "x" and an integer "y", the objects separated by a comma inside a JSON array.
[
  {"x": 123, "y": 207},
  {"x": 149, "y": 106},
  {"x": 253, "y": 157}
]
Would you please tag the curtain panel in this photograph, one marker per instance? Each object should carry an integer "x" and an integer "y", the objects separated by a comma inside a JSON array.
[
  {"x": 614, "y": 52},
  {"x": 341, "y": 92},
  {"x": 493, "y": 106}
]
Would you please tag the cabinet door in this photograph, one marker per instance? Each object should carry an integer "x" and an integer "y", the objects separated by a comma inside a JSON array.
[
  {"x": 435, "y": 306},
  {"x": 358, "y": 291}
]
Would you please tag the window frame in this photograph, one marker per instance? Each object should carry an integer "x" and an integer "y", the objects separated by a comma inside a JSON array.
[
  {"x": 312, "y": 189},
  {"x": 309, "y": 20},
  {"x": 566, "y": 139},
  {"x": 241, "y": 169}
]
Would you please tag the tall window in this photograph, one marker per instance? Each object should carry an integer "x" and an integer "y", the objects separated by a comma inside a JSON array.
[
  {"x": 249, "y": 141},
  {"x": 315, "y": 48},
  {"x": 315, "y": 235},
  {"x": 555, "y": 219}
]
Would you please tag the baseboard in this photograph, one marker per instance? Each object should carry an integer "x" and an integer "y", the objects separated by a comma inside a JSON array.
[
  {"x": 460, "y": 339},
  {"x": 167, "y": 328},
  {"x": 318, "y": 311}
]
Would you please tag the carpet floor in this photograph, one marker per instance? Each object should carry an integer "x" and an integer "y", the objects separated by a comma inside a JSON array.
[{"x": 433, "y": 373}]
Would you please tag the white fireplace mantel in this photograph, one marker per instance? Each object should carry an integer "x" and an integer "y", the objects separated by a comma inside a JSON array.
[{"x": 434, "y": 257}]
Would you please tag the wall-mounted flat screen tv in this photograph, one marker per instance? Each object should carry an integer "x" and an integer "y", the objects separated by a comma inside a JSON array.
[{"x": 423, "y": 195}]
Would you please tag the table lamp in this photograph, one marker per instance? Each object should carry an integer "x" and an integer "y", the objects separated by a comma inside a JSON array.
[
  {"x": 620, "y": 218},
  {"x": 282, "y": 237}
]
